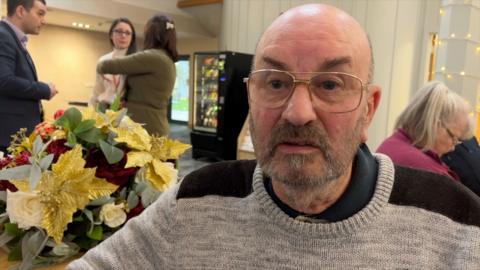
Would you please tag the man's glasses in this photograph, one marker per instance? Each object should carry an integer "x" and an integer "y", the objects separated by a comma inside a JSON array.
[
  {"x": 334, "y": 92},
  {"x": 121, "y": 32},
  {"x": 454, "y": 138}
]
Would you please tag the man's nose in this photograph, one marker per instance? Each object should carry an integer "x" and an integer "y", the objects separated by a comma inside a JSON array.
[{"x": 299, "y": 108}]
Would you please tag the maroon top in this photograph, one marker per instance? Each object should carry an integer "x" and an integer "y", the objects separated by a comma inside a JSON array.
[{"x": 400, "y": 149}]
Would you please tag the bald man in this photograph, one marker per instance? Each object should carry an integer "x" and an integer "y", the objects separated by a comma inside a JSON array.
[{"x": 316, "y": 198}]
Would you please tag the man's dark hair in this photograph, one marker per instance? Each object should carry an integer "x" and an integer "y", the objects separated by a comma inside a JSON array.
[{"x": 27, "y": 4}]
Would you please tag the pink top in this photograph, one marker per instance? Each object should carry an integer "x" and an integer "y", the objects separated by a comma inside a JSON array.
[{"x": 400, "y": 149}]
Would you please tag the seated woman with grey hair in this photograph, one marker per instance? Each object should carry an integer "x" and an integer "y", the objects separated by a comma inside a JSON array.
[{"x": 430, "y": 126}]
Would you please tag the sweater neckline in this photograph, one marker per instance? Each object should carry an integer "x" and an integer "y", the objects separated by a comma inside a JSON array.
[{"x": 356, "y": 222}]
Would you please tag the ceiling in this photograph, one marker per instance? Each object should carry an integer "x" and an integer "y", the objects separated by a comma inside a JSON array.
[{"x": 198, "y": 21}]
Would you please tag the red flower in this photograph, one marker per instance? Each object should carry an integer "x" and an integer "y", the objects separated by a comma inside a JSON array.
[
  {"x": 114, "y": 173},
  {"x": 5, "y": 161},
  {"x": 58, "y": 114},
  {"x": 44, "y": 129},
  {"x": 57, "y": 148},
  {"x": 22, "y": 158},
  {"x": 4, "y": 185},
  {"x": 137, "y": 210}
]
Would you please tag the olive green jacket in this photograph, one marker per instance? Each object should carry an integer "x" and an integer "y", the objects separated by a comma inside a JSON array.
[{"x": 150, "y": 80}]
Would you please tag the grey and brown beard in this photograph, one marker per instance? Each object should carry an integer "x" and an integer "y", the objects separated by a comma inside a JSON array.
[{"x": 299, "y": 171}]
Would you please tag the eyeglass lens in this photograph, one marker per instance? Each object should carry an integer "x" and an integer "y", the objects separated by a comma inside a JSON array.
[
  {"x": 121, "y": 32},
  {"x": 330, "y": 91},
  {"x": 455, "y": 140}
]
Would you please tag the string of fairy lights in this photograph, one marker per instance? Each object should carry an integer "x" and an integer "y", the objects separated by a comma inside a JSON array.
[
  {"x": 468, "y": 38},
  {"x": 459, "y": 37}
]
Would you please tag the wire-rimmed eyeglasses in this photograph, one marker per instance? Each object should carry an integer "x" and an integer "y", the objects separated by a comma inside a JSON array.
[
  {"x": 455, "y": 139},
  {"x": 334, "y": 92}
]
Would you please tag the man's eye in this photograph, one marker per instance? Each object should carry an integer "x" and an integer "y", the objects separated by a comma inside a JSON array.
[
  {"x": 276, "y": 84},
  {"x": 330, "y": 85}
]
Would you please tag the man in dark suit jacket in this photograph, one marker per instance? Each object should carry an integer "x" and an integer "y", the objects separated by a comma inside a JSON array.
[{"x": 20, "y": 90}]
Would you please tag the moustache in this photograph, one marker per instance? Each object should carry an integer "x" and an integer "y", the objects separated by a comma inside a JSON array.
[{"x": 309, "y": 134}]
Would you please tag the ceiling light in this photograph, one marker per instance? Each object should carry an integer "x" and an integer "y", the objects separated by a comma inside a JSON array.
[{"x": 74, "y": 24}]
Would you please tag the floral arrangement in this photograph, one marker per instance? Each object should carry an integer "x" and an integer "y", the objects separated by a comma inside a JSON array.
[{"x": 72, "y": 183}]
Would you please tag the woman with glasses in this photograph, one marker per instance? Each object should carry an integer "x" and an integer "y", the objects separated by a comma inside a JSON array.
[
  {"x": 434, "y": 122},
  {"x": 151, "y": 74},
  {"x": 108, "y": 86}
]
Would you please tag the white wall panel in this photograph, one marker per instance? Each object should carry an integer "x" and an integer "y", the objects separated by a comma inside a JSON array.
[
  {"x": 383, "y": 42},
  {"x": 255, "y": 24}
]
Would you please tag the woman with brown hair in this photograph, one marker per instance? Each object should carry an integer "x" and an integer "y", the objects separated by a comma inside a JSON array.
[
  {"x": 109, "y": 86},
  {"x": 151, "y": 74}
]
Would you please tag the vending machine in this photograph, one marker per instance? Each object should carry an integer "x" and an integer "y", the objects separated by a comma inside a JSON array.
[{"x": 219, "y": 103}]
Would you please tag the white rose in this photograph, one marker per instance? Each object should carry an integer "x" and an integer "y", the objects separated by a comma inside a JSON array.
[
  {"x": 25, "y": 209},
  {"x": 113, "y": 214}
]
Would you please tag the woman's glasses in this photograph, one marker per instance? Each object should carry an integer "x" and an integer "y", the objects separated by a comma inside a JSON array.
[{"x": 121, "y": 32}]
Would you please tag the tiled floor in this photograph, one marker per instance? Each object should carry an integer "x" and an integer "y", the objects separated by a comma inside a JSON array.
[{"x": 186, "y": 163}]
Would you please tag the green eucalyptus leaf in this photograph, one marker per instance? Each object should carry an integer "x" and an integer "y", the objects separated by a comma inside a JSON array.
[
  {"x": 12, "y": 229},
  {"x": 71, "y": 139},
  {"x": 15, "y": 253},
  {"x": 63, "y": 122},
  {"x": 84, "y": 126},
  {"x": 112, "y": 153},
  {"x": 92, "y": 135},
  {"x": 123, "y": 193},
  {"x": 32, "y": 244},
  {"x": 35, "y": 176},
  {"x": 74, "y": 117},
  {"x": 88, "y": 214},
  {"x": 37, "y": 146},
  {"x": 149, "y": 195},
  {"x": 101, "y": 201},
  {"x": 120, "y": 116},
  {"x": 46, "y": 161},
  {"x": 96, "y": 233},
  {"x": 132, "y": 200},
  {"x": 64, "y": 249},
  {"x": 5, "y": 238},
  {"x": 116, "y": 103},
  {"x": 15, "y": 173}
]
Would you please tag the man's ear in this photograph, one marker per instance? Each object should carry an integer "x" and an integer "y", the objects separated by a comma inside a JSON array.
[
  {"x": 373, "y": 100},
  {"x": 20, "y": 11}
]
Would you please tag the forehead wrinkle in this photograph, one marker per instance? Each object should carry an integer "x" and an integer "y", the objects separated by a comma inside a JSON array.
[{"x": 328, "y": 64}]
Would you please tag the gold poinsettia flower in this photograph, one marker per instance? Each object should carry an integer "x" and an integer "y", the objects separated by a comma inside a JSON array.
[
  {"x": 67, "y": 188},
  {"x": 90, "y": 113},
  {"x": 161, "y": 174},
  {"x": 102, "y": 120},
  {"x": 133, "y": 134},
  {"x": 158, "y": 172}
]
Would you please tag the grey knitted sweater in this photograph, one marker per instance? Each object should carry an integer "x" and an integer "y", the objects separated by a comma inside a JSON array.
[{"x": 222, "y": 218}]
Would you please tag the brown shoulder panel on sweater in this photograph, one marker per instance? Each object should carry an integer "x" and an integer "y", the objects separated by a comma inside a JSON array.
[
  {"x": 436, "y": 193},
  {"x": 226, "y": 178}
]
